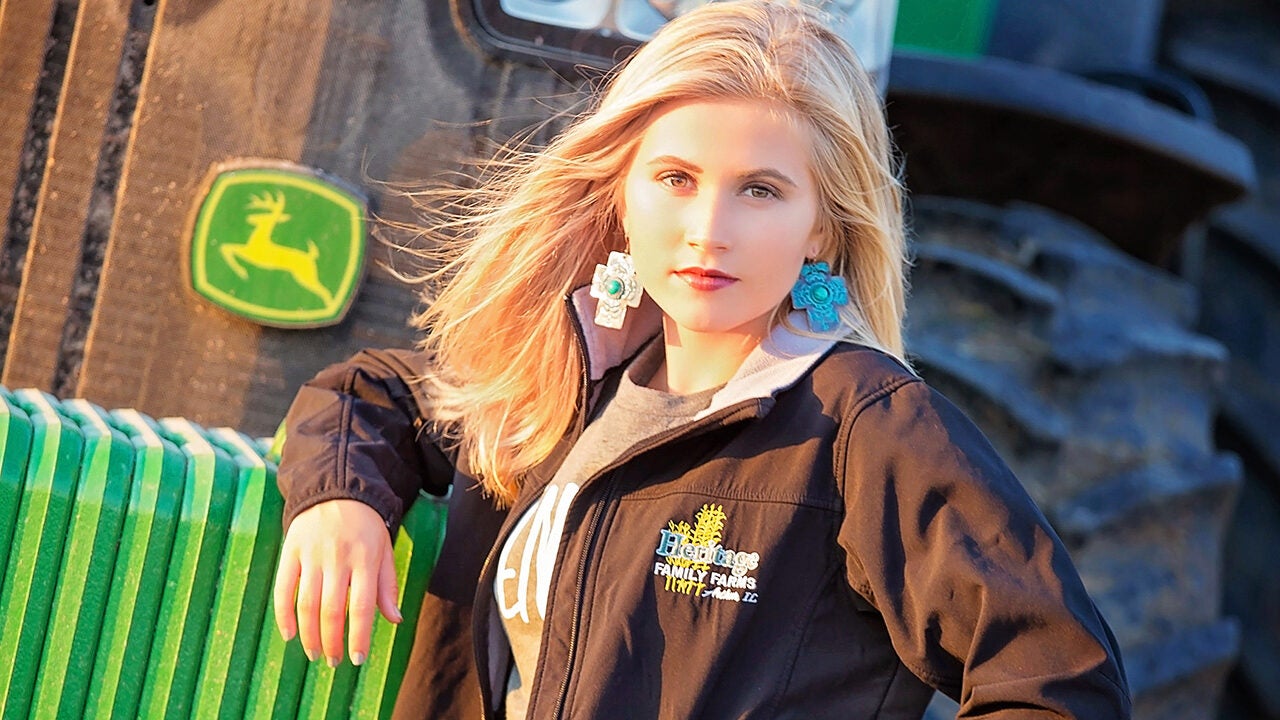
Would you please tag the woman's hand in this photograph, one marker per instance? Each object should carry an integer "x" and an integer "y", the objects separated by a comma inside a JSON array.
[{"x": 336, "y": 561}]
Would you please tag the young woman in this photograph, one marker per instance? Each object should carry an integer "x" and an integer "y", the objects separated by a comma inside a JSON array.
[{"x": 693, "y": 476}]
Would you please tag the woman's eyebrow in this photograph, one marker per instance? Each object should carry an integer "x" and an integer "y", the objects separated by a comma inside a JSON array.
[
  {"x": 673, "y": 160},
  {"x": 756, "y": 174},
  {"x": 770, "y": 173}
]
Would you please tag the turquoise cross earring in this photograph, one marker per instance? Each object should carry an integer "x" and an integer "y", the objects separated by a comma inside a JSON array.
[
  {"x": 616, "y": 287},
  {"x": 818, "y": 294}
]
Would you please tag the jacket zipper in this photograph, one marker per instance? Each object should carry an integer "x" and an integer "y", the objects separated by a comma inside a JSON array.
[
  {"x": 579, "y": 585},
  {"x": 686, "y": 431},
  {"x": 584, "y": 397}
]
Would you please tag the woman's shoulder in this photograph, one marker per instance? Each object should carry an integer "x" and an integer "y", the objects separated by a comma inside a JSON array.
[
  {"x": 860, "y": 374},
  {"x": 876, "y": 390}
]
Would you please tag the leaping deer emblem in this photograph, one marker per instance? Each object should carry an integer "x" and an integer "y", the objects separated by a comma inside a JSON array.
[{"x": 263, "y": 252}]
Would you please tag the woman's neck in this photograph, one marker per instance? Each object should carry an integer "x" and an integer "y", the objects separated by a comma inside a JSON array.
[{"x": 700, "y": 361}]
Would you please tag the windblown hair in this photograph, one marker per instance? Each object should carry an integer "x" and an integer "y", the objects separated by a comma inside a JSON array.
[{"x": 506, "y": 371}]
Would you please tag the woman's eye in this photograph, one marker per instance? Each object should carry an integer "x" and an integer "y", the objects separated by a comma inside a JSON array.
[
  {"x": 761, "y": 192},
  {"x": 674, "y": 179}
]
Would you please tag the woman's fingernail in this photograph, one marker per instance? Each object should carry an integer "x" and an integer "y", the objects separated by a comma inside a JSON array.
[
  {"x": 286, "y": 635},
  {"x": 357, "y": 659},
  {"x": 399, "y": 617},
  {"x": 333, "y": 661},
  {"x": 311, "y": 654}
]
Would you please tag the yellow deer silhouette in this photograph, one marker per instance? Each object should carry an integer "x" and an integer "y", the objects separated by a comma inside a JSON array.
[{"x": 261, "y": 251}]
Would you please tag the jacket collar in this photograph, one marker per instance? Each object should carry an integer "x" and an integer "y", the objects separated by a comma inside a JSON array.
[{"x": 779, "y": 362}]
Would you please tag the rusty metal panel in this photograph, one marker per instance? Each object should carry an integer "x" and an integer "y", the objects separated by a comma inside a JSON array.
[
  {"x": 365, "y": 90},
  {"x": 25, "y": 27},
  {"x": 222, "y": 80},
  {"x": 53, "y": 254}
]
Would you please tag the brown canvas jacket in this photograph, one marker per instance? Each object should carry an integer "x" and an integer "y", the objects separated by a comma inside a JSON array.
[{"x": 830, "y": 539}]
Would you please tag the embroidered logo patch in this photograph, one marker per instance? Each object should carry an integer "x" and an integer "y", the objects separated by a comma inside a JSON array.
[{"x": 693, "y": 562}]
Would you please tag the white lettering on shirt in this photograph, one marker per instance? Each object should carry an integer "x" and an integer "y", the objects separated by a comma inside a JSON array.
[{"x": 542, "y": 527}]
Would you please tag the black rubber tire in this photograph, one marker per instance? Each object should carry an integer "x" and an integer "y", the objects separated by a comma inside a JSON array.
[
  {"x": 1079, "y": 363},
  {"x": 1232, "y": 48}
]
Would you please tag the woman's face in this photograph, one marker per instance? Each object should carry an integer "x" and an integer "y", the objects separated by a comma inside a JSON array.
[{"x": 721, "y": 210}]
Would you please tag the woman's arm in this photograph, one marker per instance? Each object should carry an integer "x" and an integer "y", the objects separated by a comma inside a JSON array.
[
  {"x": 977, "y": 591},
  {"x": 356, "y": 431},
  {"x": 356, "y": 455}
]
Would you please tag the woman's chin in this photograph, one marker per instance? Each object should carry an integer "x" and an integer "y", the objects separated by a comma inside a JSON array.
[{"x": 711, "y": 325}]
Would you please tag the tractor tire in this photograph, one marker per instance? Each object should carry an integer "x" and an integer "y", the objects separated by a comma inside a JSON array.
[
  {"x": 1232, "y": 49},
  {"x": 1241, "y": 286},
  {"x": 1080, "y": 364}
]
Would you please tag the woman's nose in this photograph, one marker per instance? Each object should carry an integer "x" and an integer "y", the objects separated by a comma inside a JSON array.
[{"x": 707, "y": 223}]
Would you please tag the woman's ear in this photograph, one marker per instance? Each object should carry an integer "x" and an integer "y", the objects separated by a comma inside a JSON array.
[
  {"x": 814, "y": 250},
  {"x": 619, "y": 199},
  {"x": 817, "y": 241}
]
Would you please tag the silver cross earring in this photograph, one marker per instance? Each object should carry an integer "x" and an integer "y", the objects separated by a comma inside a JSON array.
[{"x": 616, "y": 287}]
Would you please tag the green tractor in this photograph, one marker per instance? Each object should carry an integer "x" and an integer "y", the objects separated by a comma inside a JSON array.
[{"x": 190, "y": 193}]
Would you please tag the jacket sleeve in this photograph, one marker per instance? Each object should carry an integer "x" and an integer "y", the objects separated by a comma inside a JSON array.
[
  {"x": 356, "y": 431},
  {"x": 977, "y": 591}
]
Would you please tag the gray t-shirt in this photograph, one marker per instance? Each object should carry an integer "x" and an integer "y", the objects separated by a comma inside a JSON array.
[{"x": 526, "y": 560}]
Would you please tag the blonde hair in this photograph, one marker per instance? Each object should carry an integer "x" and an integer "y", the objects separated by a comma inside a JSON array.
[{"x": 506, "y": 372}]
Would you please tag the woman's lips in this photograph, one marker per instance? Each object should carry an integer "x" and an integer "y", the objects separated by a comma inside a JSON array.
[{"x": 705, "y": 278}]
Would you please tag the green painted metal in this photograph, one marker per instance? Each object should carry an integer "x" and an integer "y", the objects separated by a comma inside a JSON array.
[
  {"x": 253, "y": 547},
  {"x": 952, "y": 27},
  {"x": 142, "y": 564},
  {"x": 327, "y": 692},
  {"x": 278, "y": 676},
  {"x": 417, "y": 548},
  {"x": 89, "y": 558},
  {"x": 158, "y": 602},
  {"x": 273, "y": 447},
  {"x": 15, "y": 448},
  {"x": 281, "y": 668},
  {"x": 207, "y": 504},
  {"x": 36, "y": 552}
]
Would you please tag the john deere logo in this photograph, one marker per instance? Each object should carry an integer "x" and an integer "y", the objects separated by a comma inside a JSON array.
[{"x": 279, "y": 246}]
